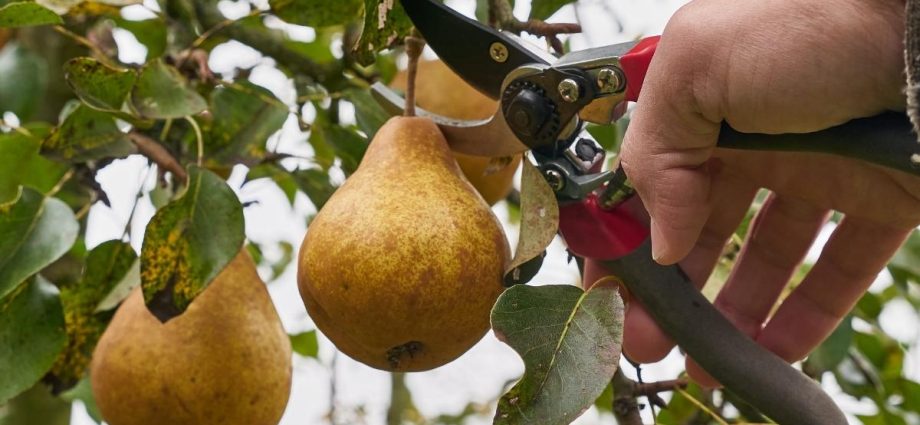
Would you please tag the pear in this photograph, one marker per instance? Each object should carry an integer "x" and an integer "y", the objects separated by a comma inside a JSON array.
[
  {"x": 225, "y": 361},
  {"x": 402, "y": 265},
  {"x": 440, "y": 90}
]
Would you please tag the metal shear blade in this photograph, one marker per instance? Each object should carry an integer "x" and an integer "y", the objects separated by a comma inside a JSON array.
[{"x": 490, "y": 137}]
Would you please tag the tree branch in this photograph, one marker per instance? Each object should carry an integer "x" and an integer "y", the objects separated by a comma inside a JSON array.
[
  {"x": 274, "y": 47},
  {"x": 501, "y": 16},
  {"x": 154, "y": 151},
  {"x": 626, "y": 391}
]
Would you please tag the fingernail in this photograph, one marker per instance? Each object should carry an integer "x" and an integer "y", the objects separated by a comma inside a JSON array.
[{"x": 659, "y": 244}]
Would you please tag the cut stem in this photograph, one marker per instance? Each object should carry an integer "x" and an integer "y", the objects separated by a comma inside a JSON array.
[{"x": 414, "y": 46}]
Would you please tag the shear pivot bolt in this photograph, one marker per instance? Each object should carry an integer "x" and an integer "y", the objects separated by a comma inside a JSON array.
[
  {"x": 569, "y": 90},
  {"x": 498, "y": 52},
  {"x": 555, "y": 179},
  {"x": 608, "y": 80}
]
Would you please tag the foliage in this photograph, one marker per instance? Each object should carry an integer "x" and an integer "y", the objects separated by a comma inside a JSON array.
[{"x": 70, "y": 107}]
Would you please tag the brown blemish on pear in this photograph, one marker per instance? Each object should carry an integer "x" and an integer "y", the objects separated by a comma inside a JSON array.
[
  {"x": 421, "y": 255},
  {"x": 225, "y": 361}
]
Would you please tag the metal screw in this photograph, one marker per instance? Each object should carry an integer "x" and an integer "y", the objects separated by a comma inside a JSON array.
[
  {"x": 498, "y": 52},
  {"x": 569, "y": 90},
  {"x": 555, "y": 179},
  {"x": 608, "y": 79}
]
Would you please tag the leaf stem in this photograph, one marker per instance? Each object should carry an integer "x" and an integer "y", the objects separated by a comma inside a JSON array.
[
  {"x": 79, "y": 39},
  {"x": 199, "y": 139},
  {"x": 21, "y": 130},
  {"x": 221, "y": 25},
  {"x": 701, "y": 406}
]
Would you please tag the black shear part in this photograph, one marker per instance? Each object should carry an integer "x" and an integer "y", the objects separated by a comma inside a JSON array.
[
  {"x": 756, "y": 375},
  {"x": 468, "y": 47},
  {"x": 886, "y": 139}
]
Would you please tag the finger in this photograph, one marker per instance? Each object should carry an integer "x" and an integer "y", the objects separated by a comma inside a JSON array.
[
  {"x": 643, "y": 340},
  {"x": 855, "y": 254},
  {"x": 777, "y": 241},
  {"x": 669, "y": 142}
]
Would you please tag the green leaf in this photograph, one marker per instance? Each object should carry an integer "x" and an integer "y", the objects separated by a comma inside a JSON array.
[
  {"x": 162, "y": 92},
  {"x": 87, "y": 134},
  {"x": 316, "y": 13},
  {"x": 539, "y": 217},
  {"x": 278, "y": 174},
  {"x": 305, "y": 344},
  {"x": 385, "y": 25},
  {"x": 106, "y": 265},
  {"x": 244, "y": 116},
  {"x": 122, "y": 288},
  {"x": 833, "y": 350},
  {"x": 83, "y": 391},
  {"x": 31, "y": 336},
  {"x": 33, "y": 233},
  {"x": 570, "y": 342},
  {"x": 150, "y": 32},
  {"x": 543, "y": 9},
  {"x": 312, "y": 182},
  {"x": 25, "y": 78},
  {"x": 369, "y": 115},
  {"x": 315, "y": 184},
  {"x": 27, "y": 14},
  {"x": 482, "y": 11},
  {"x": 345, "y": 142},
  {"x": 16, "y": 152},
  {"x": 681, "y": 410},
  {"x": 188, "y": 242},
  {"x": 317, "y": 50},
  {"x": 610, "y": 137},
  {"x": 97, "y": 84},
  {"x": 36, "y": 406}
]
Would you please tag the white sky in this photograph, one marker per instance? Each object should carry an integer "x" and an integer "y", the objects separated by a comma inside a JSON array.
[{"x": 480, "y": 374}]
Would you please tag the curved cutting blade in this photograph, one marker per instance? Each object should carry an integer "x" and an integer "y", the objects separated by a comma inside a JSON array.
[
  {"x": 468, "y": 47},
  {"x": 490, "y": 137}
]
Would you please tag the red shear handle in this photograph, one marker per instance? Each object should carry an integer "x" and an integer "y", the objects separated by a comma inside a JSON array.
[
  {"x": 635, "y": 64},
  {"x": 592, "y": 232}
]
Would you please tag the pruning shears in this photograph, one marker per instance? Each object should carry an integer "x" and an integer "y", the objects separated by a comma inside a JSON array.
[{"x": 545, "y": 102}]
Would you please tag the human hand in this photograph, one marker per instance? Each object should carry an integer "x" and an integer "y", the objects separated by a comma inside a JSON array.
[{"x": 786, "y": 66}]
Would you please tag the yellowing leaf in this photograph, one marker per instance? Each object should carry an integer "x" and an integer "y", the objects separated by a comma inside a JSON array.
[{"x": 188, "y": 242}]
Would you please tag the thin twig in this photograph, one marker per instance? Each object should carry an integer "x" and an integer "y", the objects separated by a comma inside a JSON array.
[
  {"x": 501, "y": 15},
  {"x": 219, "y": 26},
  {"x": 265, "y": 42},
  {"x": 79, "y": 39},
  {"x": 137, "y": 197},
  {"x": 154, "y": 151},
  {"x": 626, "y": 391}
]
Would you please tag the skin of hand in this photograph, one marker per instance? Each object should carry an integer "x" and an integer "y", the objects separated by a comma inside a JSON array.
[{"x": 768, "y": 66}]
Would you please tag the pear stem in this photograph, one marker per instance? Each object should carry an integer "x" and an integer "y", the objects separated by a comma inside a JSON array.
[{"x": 414, "y": 46}]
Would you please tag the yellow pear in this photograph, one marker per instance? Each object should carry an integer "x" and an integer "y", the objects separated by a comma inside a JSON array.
[
  {"x": 440, "y": 90},
  {"x": 401, "y": 267},
  {"x": 225, "y": 361}
]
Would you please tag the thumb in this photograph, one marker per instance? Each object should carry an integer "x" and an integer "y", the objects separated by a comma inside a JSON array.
[{"x": 667, "y": 150}]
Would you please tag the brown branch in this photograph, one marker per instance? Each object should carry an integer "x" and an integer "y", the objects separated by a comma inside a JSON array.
[
  {"x": 154, "y": 151},
  {"x": 267, "y": 43},
  {"x": 501, "y": 16},
  {"x": 626, "y": 391},
  {"x": 653, "y": 388}
]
